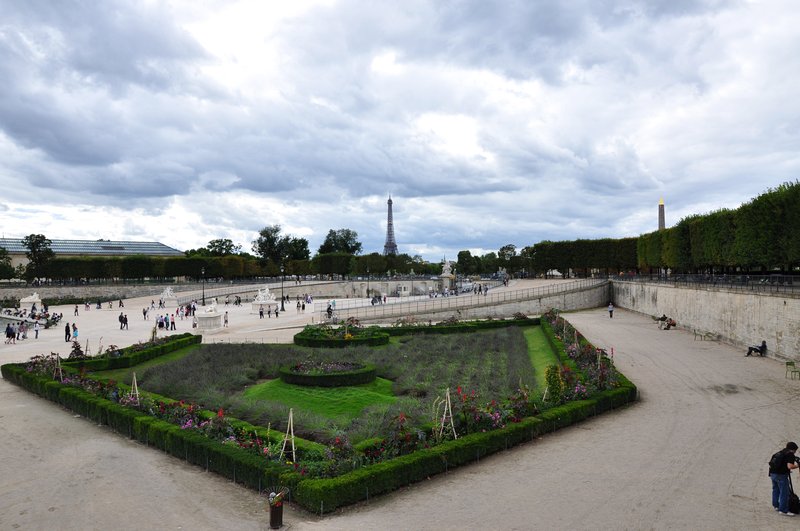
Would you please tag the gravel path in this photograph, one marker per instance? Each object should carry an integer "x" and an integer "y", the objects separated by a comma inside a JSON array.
[{"x": 691, "y": 454}]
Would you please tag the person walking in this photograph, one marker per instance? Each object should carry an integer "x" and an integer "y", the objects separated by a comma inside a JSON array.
[
  {"x": 125, "y": 321},
  {"x": 67, "y": 332},
  {"x": 225, "y": 323},
  {"x": 780, "y": 466},
  {"x": 76, "y": 310},
  {"x": 36, "y": 330},
  {"x": 74, "y": 332},
  {"x": 260, "y": 312},
  {"x": 611, "y": 310}
]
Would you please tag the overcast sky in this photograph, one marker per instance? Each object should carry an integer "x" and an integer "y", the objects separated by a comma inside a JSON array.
[{"x": 487, "y": 122}]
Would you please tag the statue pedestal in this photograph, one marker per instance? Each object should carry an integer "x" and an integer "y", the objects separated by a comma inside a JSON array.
[{"x": 208, "y": 322}]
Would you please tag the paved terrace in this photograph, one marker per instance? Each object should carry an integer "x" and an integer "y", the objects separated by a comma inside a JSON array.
[{"x": 690, "y": 455}]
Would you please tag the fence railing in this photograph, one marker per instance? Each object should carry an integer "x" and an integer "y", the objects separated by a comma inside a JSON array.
[
  {"x": 788, "y": 284},
  {"x": 455, "y": 302}
]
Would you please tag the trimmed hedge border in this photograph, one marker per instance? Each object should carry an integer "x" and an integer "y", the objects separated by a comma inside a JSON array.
[
  {"x": 364, "y": 375},
  {"x": 236, "y": 464},
  {"x": 470, "y": 326},
  {"x": 326, "y": 495},
  {"x": 382, "y": 338},
  {"x": 320, "y": 495},
  {"x": 130, "y": 357},
  {"x": 321, "y": 342}
]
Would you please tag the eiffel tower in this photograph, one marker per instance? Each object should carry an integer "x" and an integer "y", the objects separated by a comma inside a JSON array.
[{"x": 390, "y": 247}]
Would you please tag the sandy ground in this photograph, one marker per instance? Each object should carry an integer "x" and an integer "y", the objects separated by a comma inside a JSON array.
[{"x": 691, "y": 454}]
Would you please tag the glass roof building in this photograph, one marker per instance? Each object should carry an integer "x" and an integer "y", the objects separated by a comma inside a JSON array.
[{"x": 15, "y": 248}]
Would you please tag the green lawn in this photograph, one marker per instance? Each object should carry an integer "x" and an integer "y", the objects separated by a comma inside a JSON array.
[
  {"x": 125, "y": 375},
  {"x": 331, "y": 402},
  {"x": 541, "y": 354}
]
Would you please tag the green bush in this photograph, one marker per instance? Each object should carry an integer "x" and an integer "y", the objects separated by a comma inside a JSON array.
[{"x": 360, "y": 376}]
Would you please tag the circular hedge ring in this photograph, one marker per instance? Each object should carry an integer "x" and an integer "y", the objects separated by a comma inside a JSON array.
[{"x": 328, "y": 374}]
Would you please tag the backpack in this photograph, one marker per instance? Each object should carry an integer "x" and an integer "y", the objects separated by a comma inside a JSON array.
[{"x": 776, "y": 465}]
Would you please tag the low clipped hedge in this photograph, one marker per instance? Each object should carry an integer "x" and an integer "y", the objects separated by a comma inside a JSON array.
[
  {"x": 360, "y": 376},
  {"x": 303, "y": 339},
  {"x": 460, "y": 328},
  {"x": 232, "y": 462},
  {"x": 320, "y": 495},
  {"x": 131, "y": 357},
  {"x": 326, "y": 495}
]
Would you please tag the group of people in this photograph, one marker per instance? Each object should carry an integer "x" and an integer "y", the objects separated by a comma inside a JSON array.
[
  {"x": 19, "y": 331},
  {"x": 665, "y": 323},
  {"x": 70, "y": 333}
]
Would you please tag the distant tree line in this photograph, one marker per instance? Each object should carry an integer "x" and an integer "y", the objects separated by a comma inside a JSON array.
[{"x": 760, "y": 236}]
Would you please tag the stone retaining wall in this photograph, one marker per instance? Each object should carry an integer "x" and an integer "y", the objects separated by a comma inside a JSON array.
[
  {"x": 738, "y": 318},
  {"x": 583, "y": 299}
]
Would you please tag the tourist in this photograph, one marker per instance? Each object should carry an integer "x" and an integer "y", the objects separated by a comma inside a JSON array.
[
  {"x": 225, "y": 320},
  {"x": 144, "y": 313},
  {"x": 269, "y": 312},
  {"x": 36, "y": 329},
  {"x": 120, "y": 320},
  {"x": 67, "y": 332},
  {"x": 74, "y": 332},
  {"x": 125, "y": 321},
  {"x": 611, "y": 310},
  {"x": 261, "y": 312},
  {"x": 172, "y": 323},
  {"x": 761, "y": 350},
  {"x": 76, "y": 310},
  {"x": 781, "y": 466},
  {"x": 120, "y": 304}
]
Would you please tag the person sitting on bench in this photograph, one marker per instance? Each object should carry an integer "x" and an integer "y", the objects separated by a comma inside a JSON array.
[
  {"x": 670, "y": 323},
  {"x": 760, "y": 350}
]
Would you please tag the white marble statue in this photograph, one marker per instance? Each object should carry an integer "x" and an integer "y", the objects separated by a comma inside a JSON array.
[
  {"x": 446, "y": 272},
  {"x": 167, "y": 293},
  {"x": 264, "y": 296}
]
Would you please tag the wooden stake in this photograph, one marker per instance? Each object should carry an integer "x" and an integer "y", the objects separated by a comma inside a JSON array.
[
  {"x": 135, "y": 389},
  {"x": 289, "y": 435},
  {"x": 447, "y": 416},
  {"x": 57, "y": 372}
]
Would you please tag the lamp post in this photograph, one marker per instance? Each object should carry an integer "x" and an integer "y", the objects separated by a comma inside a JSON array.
[
  {"x": 367, "y": 281},
  {"x": 282, "y": 308},
  {"x": 203, "y": 272}
]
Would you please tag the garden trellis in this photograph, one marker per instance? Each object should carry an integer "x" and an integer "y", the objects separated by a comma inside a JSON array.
[{"x": 287, "y": 437}]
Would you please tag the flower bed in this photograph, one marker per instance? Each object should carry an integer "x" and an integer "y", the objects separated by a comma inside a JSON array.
[
  {"x": 328, "y": 477},
  {"x": 328, "y": 374}
]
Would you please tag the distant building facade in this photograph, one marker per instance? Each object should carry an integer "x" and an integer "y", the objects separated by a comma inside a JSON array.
[{"x": 89, "y": 248}]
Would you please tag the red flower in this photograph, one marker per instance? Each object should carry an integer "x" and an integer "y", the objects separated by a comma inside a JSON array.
[{"x": 220, "y": 413}]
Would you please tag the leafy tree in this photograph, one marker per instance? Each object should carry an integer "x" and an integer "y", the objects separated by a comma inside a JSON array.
[
  {"x": 296, "y": 248},
  {"x": 273, "y": 246},
  {"x": 38, "y": 254},
  {"x": 6, "y": 271},
  {"x": 507, "y": 252},
  {"x": 466, "y": 264},
  {"x": 222, "y": 247},
  {"x": 341, "y": 241}
]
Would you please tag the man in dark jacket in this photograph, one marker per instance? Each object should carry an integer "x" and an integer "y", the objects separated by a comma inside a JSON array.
[
  {"x": 784, "y": 462},
  {"x": 760, "y": 350}
]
